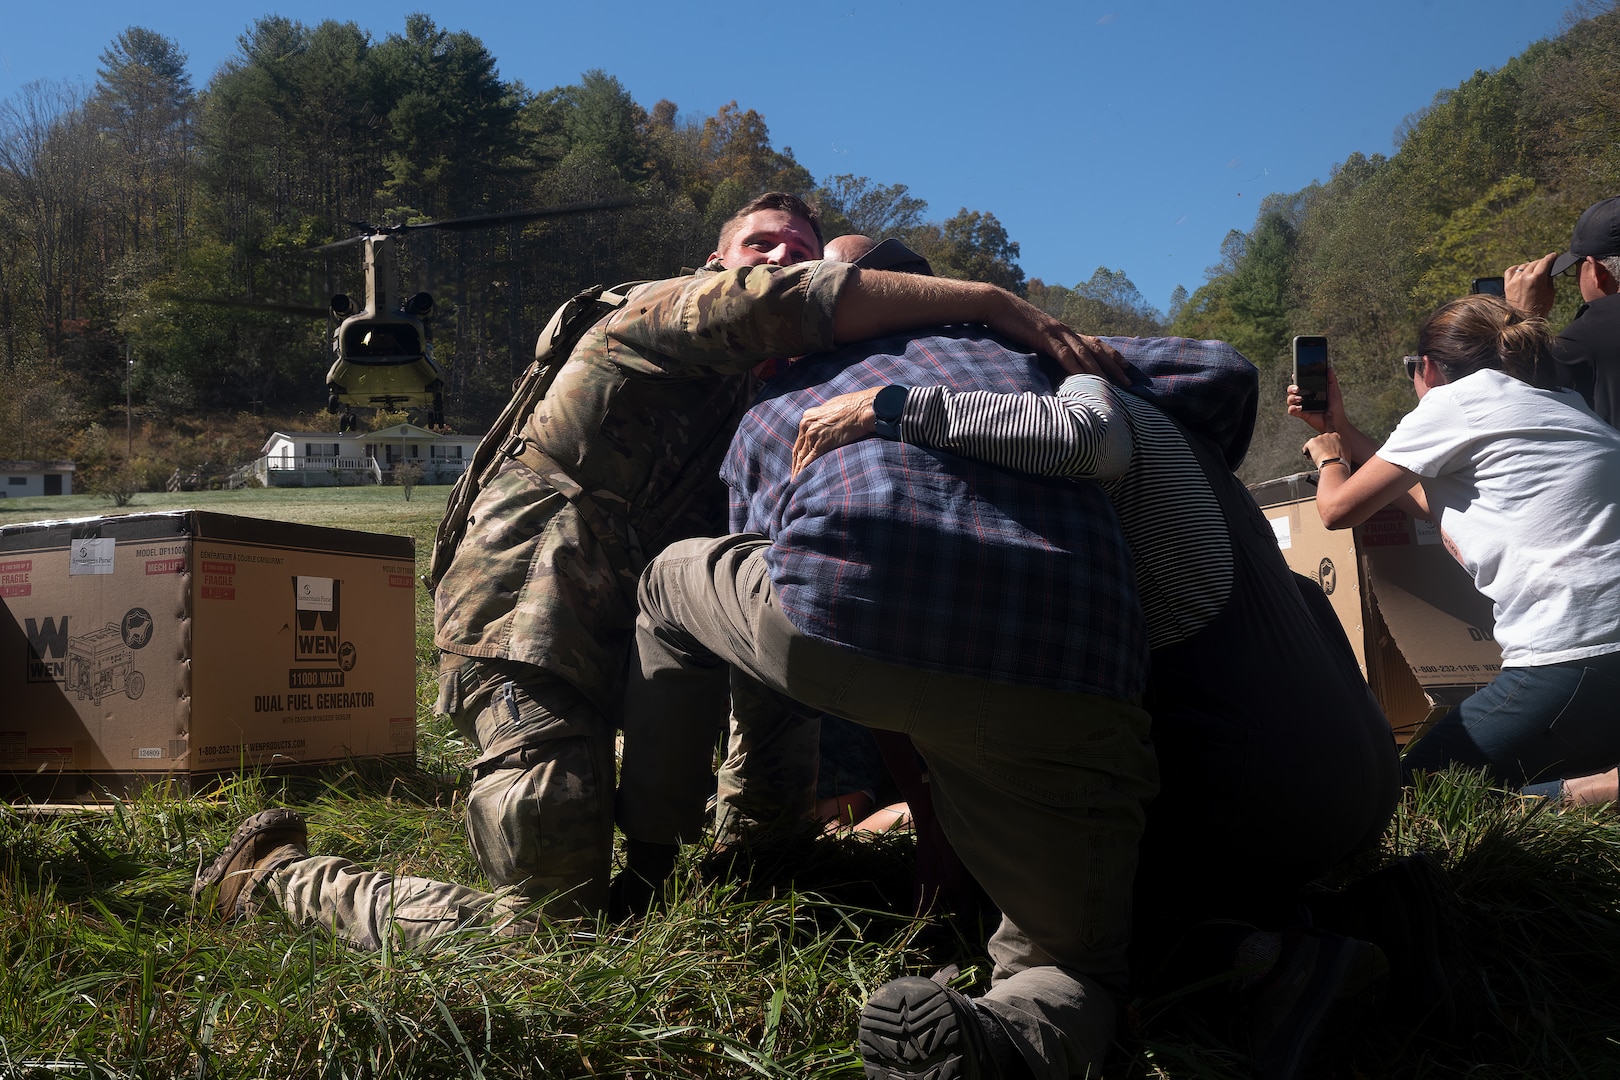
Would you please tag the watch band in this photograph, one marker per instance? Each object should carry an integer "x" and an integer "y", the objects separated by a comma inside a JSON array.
[{"x": 887, "y": 407}]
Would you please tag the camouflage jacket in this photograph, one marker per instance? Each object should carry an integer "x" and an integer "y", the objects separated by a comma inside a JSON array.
[{"x": 629, "y": 441}]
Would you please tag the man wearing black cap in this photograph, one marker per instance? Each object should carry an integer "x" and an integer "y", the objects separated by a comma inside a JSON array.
[{"x": 1588, "y": 351}]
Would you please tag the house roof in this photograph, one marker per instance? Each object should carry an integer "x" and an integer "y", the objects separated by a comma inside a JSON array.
[
  {"x": 37, "y": 466},
  {"x": 400, "y": 431},
  {"x": 366, "y": 438},
  {"x": 295, "y": 436}
]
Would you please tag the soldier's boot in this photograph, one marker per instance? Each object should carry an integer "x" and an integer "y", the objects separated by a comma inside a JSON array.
[
  {"x": 920, "y": 1029},
  {"x": 262, "y": 844}
]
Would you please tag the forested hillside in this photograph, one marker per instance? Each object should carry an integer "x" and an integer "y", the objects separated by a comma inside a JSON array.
[
  {"x": 1494, "y": 172},
  {"x": 127, "y": 204}
]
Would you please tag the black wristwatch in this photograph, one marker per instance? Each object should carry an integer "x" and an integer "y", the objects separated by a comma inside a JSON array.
[{"x": 887, "y": 407}]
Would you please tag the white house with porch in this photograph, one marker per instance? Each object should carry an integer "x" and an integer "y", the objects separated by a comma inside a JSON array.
[
  {"x": 330, "y": 458},
  {"x": 24, "y": 479}
]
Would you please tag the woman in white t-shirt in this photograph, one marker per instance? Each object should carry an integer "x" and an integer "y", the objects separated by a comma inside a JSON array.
[{"x": 1524, "y": 484}]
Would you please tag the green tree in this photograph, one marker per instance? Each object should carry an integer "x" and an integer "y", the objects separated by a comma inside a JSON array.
[
  {"x": 1110, "y": 303},
  {"x": 40, "y": 410},
  {"x": 1510, "y": 221},
  {"x": 49, "y": 158},
  {"x": 452, "y": 122},
  {"x": 970, "y": 245},
  {"x": 142, "y": 108},
  {"x": 603, "y": 122},
  {"x": 1259, "y": 292},
  {"x": 1049, "y": 298},
  {"x": 1178, "y": 301},
  {"x": 876, "y": 210}
]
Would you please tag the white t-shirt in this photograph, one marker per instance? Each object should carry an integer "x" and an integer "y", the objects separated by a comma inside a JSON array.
[{"x": 1526, "y": 484}]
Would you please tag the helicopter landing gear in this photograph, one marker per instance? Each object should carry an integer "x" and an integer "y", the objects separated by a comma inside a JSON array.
[
  {"x": 435, "y": 416},
  {"x": 348, "y": 422}
]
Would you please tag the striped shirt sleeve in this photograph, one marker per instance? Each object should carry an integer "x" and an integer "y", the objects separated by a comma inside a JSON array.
[{"x": 1079, "y": 433}]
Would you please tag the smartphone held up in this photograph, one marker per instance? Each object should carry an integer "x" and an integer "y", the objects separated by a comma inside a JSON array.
[{"x": 1311, "y": 372}]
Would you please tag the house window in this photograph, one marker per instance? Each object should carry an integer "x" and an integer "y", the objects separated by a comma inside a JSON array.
[
  {"x": 17, "y": 481},
  {"x": 320, "y": 449}
]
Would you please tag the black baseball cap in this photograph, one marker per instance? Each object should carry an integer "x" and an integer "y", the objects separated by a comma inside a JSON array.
[
  {"x": 1597, "y": 233},
  {"x": 891, "y": 254}
]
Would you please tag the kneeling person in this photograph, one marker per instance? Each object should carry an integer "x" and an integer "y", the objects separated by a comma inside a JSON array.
[{"x": 989, "y": 615}]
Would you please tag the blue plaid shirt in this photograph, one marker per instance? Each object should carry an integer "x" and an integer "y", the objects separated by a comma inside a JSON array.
[{"x": 927, "y": 559}]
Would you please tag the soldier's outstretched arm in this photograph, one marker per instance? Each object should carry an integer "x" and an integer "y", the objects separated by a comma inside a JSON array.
[{"x": 730, "y": 320}]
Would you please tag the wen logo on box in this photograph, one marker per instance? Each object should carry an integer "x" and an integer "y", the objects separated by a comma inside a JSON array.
[{"x": 318, "y": 604}]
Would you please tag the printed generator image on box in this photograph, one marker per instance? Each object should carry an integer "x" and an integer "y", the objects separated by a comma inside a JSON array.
[{"x": 186, "y": 644}]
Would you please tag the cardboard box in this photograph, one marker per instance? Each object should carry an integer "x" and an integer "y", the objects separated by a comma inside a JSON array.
[
  {"x": 187, "y": 644},
  {"x": 1421, "y": 631}
]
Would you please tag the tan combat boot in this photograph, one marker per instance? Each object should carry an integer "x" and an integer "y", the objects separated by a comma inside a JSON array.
[{"x": 263, "y": 843}]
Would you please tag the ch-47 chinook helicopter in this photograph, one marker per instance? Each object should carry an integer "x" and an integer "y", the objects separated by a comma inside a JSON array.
[{"x": 382, "y": 353}]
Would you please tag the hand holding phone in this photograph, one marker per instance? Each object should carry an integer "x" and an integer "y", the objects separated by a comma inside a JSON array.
[
  {"x": 1311, "y": 372},
  {"x": 1529, "y": 286}
]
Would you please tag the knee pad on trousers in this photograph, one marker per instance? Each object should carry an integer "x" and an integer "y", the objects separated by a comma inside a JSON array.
[{"x": 541, "y": 820}]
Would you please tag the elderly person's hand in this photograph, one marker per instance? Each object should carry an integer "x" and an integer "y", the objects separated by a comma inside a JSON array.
[
  {"x": 836, "y": 422},
  {"x": 1529, "y": 286}
]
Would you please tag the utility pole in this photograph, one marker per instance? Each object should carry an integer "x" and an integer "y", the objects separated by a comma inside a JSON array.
[{"x": 129, "y": 411}]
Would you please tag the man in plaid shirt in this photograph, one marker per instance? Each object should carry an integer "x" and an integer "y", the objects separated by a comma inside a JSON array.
[{"x": 990, "y": 615}]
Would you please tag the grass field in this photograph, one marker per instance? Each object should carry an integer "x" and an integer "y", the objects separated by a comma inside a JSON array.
[
  {"x": 107, "y": 971},
  {"x": 370, "y": 508}
]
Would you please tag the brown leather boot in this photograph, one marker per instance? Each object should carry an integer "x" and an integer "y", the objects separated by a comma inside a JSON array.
[{"x": 265, "y": 842}]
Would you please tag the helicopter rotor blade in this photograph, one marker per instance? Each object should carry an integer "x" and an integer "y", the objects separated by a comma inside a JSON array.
[
  {"x": 334, "y": 245},
  {"x": 478, "y": 221},
  {"x": 262, "y": 305},
  {"x": 366, "y": 229}
]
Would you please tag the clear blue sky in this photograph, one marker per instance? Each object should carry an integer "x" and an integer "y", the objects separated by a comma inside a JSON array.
[{"x": 1120, "y": 133}]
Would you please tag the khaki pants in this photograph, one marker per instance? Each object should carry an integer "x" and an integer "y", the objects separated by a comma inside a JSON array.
[
  {"x": 372, "y": 909},
  {"x": 1040, "y": 791}
]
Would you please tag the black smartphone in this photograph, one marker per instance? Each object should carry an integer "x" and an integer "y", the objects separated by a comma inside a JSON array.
[
  {"x": 1311, "y": 372},
  {"x": 1490, "y": 286}
]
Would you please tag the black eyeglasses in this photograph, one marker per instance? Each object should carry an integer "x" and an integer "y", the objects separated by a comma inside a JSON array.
[{"x": 1414, "y": 364}]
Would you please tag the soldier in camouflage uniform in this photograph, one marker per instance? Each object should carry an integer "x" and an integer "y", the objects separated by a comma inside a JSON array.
[{"x": 534, "y": 615}]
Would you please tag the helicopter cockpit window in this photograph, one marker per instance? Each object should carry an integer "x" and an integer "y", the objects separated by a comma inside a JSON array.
[{"x": 382, "y": 341}]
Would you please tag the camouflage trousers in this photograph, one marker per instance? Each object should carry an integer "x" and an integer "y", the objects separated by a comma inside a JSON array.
[
  {"x": 375, "y": 910},
  {"x": 1040, "y": 791},
  {"x": 540, "y": 811}
]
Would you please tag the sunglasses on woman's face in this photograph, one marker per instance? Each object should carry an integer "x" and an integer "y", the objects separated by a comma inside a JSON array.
[{"x": 1414, "y": 364}]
